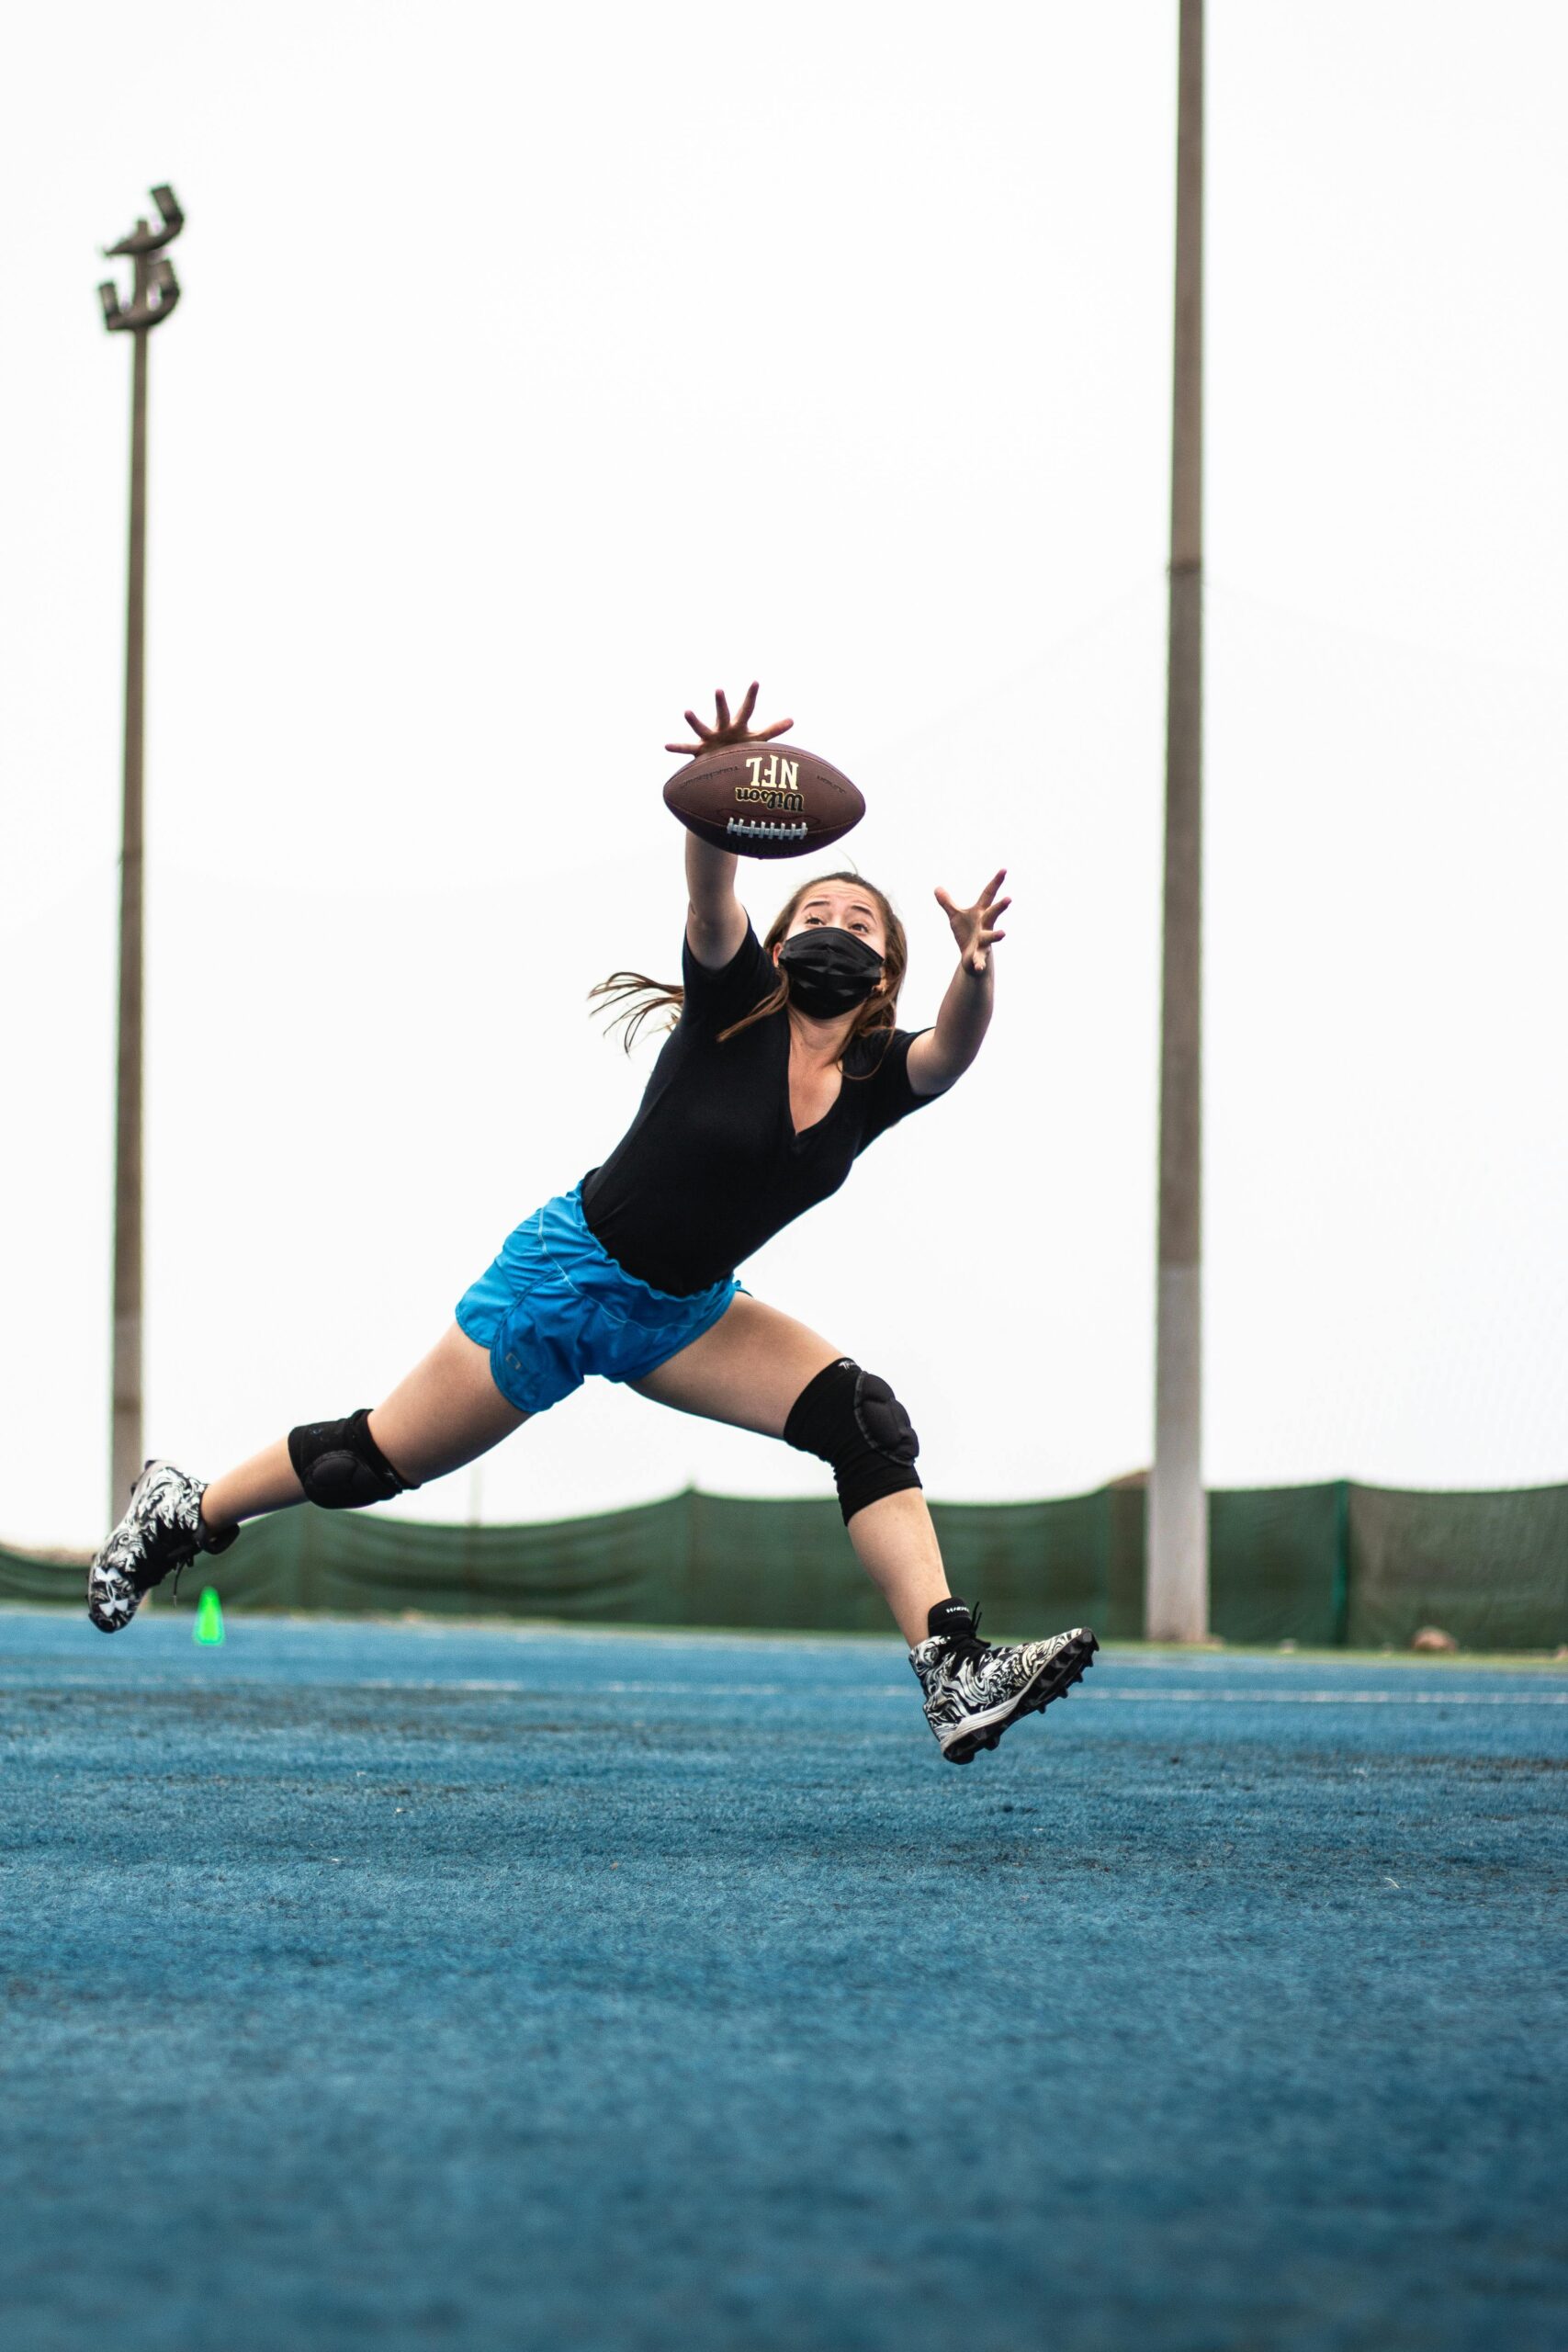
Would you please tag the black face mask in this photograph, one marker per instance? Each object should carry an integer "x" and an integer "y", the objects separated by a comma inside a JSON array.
[{"x": 830, "y": 971}]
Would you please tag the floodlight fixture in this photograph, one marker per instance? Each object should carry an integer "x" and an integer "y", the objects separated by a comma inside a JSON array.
[
  {"x": 143, "y": 239},
  {"x": 167, "y": 287},
  {"x": 157, "y": 289}
]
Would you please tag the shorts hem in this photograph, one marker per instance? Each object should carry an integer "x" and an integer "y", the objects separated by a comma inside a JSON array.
[
  {"x": 464, "y": 1325},
  {"x": 720, "y": 1310}
]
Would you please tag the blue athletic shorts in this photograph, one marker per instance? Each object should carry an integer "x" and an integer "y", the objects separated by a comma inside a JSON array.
[{"x": 555, "y": 1307}]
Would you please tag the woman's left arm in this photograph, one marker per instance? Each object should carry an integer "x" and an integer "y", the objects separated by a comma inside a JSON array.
[{"x": 942, "y": 1054}]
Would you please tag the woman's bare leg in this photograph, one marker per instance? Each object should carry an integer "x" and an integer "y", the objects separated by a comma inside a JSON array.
[
  {"x": 266, "y": 1482},
  {"x": 446, "y": 1412},
  {"x": 748, "y": 1371},
  {"x": 896, "y": 1545}
]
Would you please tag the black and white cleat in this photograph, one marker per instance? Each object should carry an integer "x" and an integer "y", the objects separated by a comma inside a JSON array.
[
  {"x": 163, "y": 1530},
  {"x": 974, "y": 1689}
]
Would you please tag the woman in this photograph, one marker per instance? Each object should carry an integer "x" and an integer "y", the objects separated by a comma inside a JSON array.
[{"x": 782, "y": 1066}]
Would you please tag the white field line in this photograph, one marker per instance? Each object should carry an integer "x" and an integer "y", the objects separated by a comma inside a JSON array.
[
  {"x": 1338, "y": 1697},
  {"x": 1179, "y": 1697}
]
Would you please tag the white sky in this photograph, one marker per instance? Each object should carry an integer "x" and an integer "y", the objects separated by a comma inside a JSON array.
[{"x": 539, "y": 368}]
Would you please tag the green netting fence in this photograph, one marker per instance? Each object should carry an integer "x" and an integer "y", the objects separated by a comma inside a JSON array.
[{"x": 1334, "y": 1565}]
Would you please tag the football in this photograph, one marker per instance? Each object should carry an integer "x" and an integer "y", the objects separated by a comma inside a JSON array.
[{"x": 764, "y": 800}]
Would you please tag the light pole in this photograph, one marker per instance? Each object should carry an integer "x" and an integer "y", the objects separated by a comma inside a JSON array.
[
  {"x": 155, "y": 292},
  {"x": 1177, "y": 1608}
]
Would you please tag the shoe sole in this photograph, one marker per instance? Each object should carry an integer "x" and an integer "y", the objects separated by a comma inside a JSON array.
[
  {"x": 174, "y": 1569},
  {"x": 1054, "y": 1679}
]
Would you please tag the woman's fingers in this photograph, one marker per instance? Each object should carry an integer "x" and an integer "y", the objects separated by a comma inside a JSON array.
[
  {"x": 727, "y": 730},
  {"x": 713, "y": 738},
  {"x": 988, "y": 903}
]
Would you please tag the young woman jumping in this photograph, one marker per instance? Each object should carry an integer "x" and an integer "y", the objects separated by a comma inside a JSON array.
[{"x": 782, "y": 1065}]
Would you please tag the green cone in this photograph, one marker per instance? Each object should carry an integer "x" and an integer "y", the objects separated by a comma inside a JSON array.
[{"x": 209, "y": 1624}]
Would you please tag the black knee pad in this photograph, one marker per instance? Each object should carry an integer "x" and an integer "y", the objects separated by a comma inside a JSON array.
[
  {"x": 853, "y": 1420},
  {"x": 341, "y": 1466}
]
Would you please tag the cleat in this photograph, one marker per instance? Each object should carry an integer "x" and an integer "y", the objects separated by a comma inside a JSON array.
[
  {"x": 162, "y": 1530},
  {"x": 974, "y": 1689}
]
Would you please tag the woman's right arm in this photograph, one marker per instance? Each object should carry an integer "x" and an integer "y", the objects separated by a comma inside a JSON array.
[{"x": 716, "y": 919}]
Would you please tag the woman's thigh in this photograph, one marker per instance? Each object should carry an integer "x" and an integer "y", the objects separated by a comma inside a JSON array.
[
  {"x": 446, "y": 1412},
  {"x": 749, "y": 1369}
]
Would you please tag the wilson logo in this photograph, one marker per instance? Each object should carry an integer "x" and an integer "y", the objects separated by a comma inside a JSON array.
[{"x": 774, "y": 784}]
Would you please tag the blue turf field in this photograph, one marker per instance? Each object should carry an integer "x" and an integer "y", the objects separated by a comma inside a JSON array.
[{"x": 383, "y": 1986}]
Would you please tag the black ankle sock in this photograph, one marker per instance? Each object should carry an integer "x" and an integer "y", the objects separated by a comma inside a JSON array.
[{"x": 949, "y": 1617}]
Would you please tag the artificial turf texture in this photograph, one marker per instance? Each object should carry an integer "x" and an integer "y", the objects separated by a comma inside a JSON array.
[{"x": 383, "y": 1986}]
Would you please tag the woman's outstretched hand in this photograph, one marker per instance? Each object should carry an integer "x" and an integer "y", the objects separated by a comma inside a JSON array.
[
  {"x": 975, "y": 927},
  {"x": 730, "y": 731}
]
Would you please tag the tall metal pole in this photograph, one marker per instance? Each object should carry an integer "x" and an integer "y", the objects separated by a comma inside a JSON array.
[
  {"x": 126, "y": 1435},
  {"x": 154, "y": 294},
  {"x": 1177, "y": 1606}
]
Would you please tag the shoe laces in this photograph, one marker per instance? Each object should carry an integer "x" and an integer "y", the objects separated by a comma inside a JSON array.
[
  {"x": 149, "y": 1573},
  {"x": 965, "y": 1649}
]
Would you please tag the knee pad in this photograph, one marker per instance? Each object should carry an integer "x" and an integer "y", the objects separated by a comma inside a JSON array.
[
  {"x": 341, "y": 1466},
  {"x": 853, "y": 1420}
]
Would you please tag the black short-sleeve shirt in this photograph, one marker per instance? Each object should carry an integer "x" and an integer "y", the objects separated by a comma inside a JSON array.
[{"x": 711, "y": 1167}]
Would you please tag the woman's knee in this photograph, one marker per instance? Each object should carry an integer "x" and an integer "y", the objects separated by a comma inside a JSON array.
[
  {"x": 341, "y": 1466},
  {"x": 850, "y": 1418}
]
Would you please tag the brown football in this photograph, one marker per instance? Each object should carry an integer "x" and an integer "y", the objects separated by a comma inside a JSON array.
[{"x": 764, "y": 800}]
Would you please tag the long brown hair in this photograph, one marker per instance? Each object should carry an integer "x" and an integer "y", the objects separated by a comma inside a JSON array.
[{"x": 634, "y": 996}]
